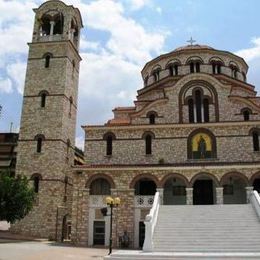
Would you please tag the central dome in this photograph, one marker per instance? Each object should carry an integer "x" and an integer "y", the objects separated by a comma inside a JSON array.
[{"x": 194, "y": 47}]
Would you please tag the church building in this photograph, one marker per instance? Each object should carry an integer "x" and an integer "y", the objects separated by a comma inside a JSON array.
[{"x": 192, "y": 135}]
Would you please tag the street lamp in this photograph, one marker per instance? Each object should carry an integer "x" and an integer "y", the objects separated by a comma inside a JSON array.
[{"x": 111, "y": 202}]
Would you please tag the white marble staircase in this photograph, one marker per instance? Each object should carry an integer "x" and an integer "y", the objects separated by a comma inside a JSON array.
[
  {"x": 211, "y": 228},
  {"x": 203, "y": 232}
]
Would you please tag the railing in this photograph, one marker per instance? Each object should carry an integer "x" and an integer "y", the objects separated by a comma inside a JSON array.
[
  {"x": 150, "y": 223},
  {"x": 142, "y": 201},
  {"x": 255, "y": 201}
]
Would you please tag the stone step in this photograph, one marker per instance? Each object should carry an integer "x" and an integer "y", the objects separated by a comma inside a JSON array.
[{"x": 140, "y": 255}]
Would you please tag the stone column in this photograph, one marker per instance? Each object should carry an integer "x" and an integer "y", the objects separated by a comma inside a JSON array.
[
  {"x": 52, "y": 23},
  {"x": 160, "y": 190},
  {"x": 189, "y": 196},
  {"x": 249, "y": 190},
  {"x": 219, "y": 195}
]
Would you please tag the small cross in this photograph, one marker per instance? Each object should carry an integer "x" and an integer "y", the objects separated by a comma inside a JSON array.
[{"x": 191, "y": 41}]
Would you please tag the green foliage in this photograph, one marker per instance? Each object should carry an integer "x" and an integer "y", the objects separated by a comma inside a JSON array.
[{"x": 16, "y": 197}]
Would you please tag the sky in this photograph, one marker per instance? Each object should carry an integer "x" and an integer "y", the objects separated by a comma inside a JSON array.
[{"x": 118, "y": 38}]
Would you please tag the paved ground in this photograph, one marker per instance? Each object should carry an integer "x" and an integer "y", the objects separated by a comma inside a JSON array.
[{"x": 45, "y": 250}]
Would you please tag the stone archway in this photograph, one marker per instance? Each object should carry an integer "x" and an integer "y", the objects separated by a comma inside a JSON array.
[
  {"x": 234, "y": 188},
  {"x": 204, "y": 189},
  {"x": 174, "y": 189},
  {"x": 255, "y": 181}
]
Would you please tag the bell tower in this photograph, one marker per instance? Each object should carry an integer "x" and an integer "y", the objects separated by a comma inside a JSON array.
[{"x": 48, "y": 122}]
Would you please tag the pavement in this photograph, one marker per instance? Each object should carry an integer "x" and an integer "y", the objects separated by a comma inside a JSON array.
[{"x": 14, "y": 247}]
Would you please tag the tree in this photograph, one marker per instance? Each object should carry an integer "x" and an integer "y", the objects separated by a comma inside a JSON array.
[{"x": 16, "y": 197}]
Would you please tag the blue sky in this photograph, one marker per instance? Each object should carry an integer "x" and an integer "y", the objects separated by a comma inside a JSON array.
[{"x": 118, "y": 38}]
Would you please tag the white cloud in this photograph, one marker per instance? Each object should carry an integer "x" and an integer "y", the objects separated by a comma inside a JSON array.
[
  {"x": 138, "y": 4},
  {"x": 80, "y": 142},
  {"x": 5, "y": 85},
  {"x": 16, "y": 72},
  {"x": 251, "y": 53}
]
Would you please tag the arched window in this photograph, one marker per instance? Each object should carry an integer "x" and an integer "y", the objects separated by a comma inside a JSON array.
[
  {"x": 198, "y": 105},
  {"x": 216, "y": 67},
  {"x": 36, "y": 182},
  {"x": 201, "y": 145},
  {"x": 151, "y": 115},
  {"x": 191, "y": 67},
  {"x": 43, "y": 95},
  {"x": 246, "y": 115},
  {"x": 156, "y": 75},
  {"x": 246, "y": 112},
  {"x": 234, "y": 71},
  {"x": 206, "y": 109},
  {"x": 195, "y": 66},
  {"x": 255, "y": 135},
  {"x": 58, "y": 24},
  {"x": 244, "y": 76},
  {"x": 39, "y": 139},
  {"x": 47, "y": 58},
  {"x": 43, "y": 99},
  {"x": 100, "y": 186},
  {"x": 109, "y": 137},
  {"x": 173, "y": 69},
  {"x": 46, "y": 26},
  {"x": 191, "y": 110},
  {"x": 47, "y": 61},
  {"x": 148, "y": 137}
]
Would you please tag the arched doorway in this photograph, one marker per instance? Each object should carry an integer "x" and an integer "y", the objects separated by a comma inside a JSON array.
[
  {"x": 174, "y": 192},
  {"x": 204, "y": 189},
  {"x": 234, "y": 188}
]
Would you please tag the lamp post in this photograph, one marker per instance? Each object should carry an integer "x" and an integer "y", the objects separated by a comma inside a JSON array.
[{"x": 111, "y": 202}]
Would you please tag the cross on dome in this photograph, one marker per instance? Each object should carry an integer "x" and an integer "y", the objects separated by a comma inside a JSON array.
[{"x": 191, "y": 41}]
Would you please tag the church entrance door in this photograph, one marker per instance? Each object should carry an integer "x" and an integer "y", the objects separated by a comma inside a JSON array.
[{"x": 203, "y": 192}]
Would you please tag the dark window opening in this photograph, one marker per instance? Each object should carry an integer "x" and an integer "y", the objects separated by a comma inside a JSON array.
[
  {"x": 191, "y": 67},
  {"x": 43, "y": 100},
  {"x": 219, "y": 68},
  {"x": 198, "y": 105},
  {"x": 214, "y": 68},
  {"x": 171, "y": 70},
  {"x": 145, "y": 187},
  {"x": 206, "y": 109},
  {"x": 36, "y": 181},
  {"x": 148, "y": 144},
  {"x": 46, "y": 26},
  {"x": 152, "y": 119},
  {"x": 109, "y": 145},
  {"x": 197, "y": 67},
  {"x": 47, "y": 61},
  {"x": 191, "y": 110},
  {"x": 246, "y": 115},
  {"x": 39, "y": 145},
  {"x": 256, "y": 185},
  {"x": 146, "y": 81},
  {"x": 176, "y": 69},
  {"x": 58, "y": 26},
  {"x": 256, "y": 141}
]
